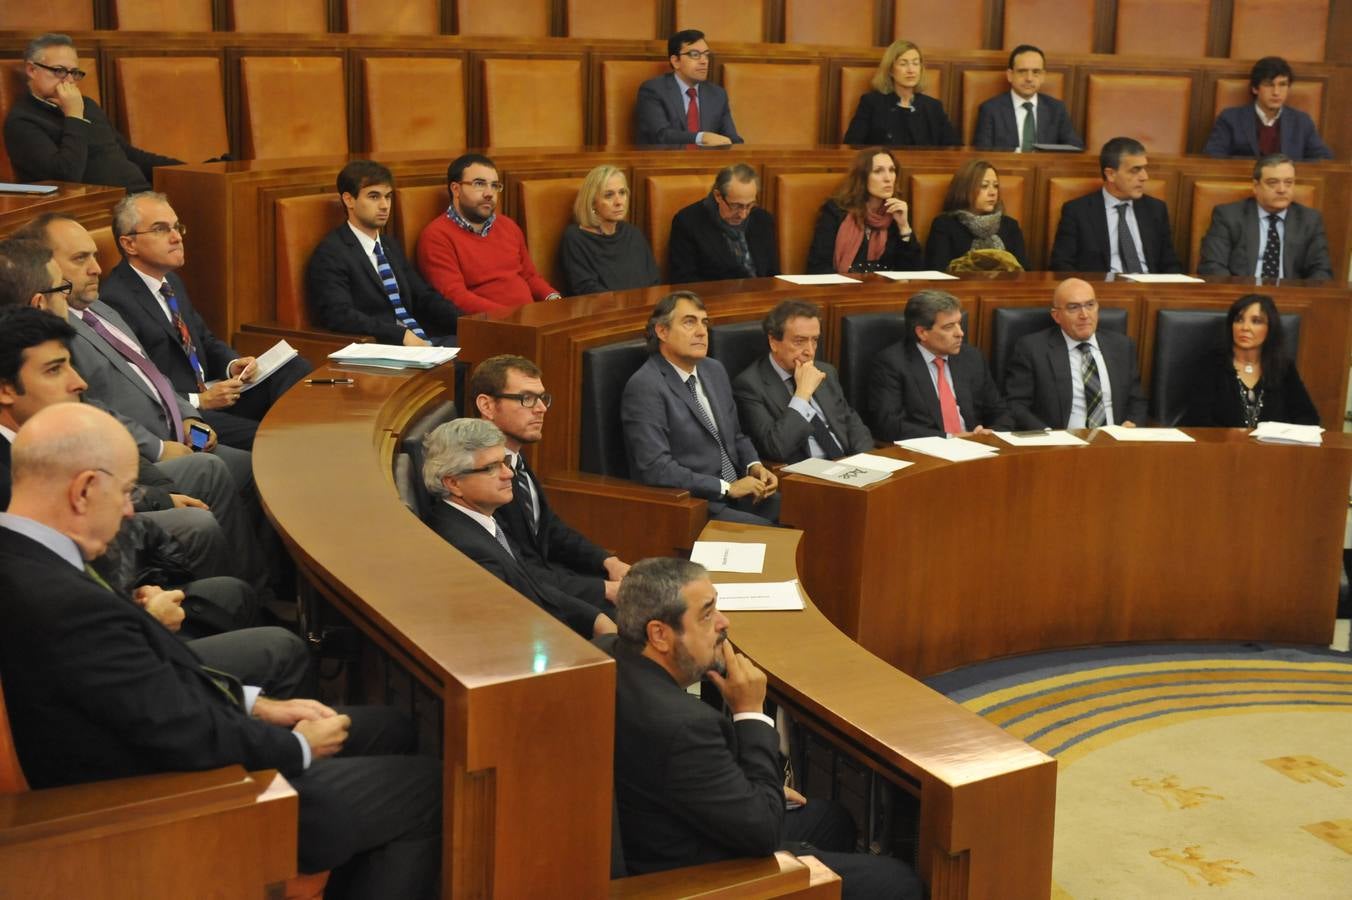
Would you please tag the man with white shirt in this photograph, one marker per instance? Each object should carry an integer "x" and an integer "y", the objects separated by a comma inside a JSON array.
[
  {"x": 1072, "y": 375},
  {"x": 1024, "y": 117},
  {"x": 682, "y": 107}
]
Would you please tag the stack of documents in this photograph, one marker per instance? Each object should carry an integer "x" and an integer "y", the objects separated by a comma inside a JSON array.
[
  {"x": 951, "y": 449},
  {"x": 828, "y": 278},
  {"x": 928, "y": 275},
  {"x": 1043, "y": 438},
  {"x": 1147, "y": 435},
  {"x": 1286, "y": 433},
  {"x": 393, "y": 356},
  {"x": 1160, "y": 278},
  {"x": 856, "y": 471}
]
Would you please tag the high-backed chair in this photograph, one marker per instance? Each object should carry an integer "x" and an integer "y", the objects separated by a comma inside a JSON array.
[
  {"x": 961, "y": 26},
  {"x": 192, "y": 132},
  {"x": 408, "y": 462},
  {"x": 979, "y": 85},
  {"x": 620, "y": 80},
  {"x": 53, "y": 15},
  {"x": 393, "y": 17},
  {"x": 862, "y": 337},
  {"x": 855, "y": 81},
  {"x": 1306, "y": 96},
  {"x": 1153, "y": 109},
  {"x": 280, "y": 16},
  {"x": 598, "y": 19},
  {"x": 414, "y": 207},
  {"x": 105, "y": 247},
  {"x": 533, "y": 102},
  {"x": 1061, "y": 189},
  {"x": 546, "y": 211},
  {"x": 1294, "y": 29},
  {"x": 1009, "y": 323},
  {"x": 742, "y": 22},
  {"x": 520, "y": 18},
  {"x": 845, "y": 22},
  {"x": 1057, "y": 26},
  {"x": 1139, "y": 31},
  {"x": 798, "y": 197},
  {"x": 280, "y": 97},
  {"x": 605, "y": 372},
  {"x": 775, "y": 103},
  {"x": 162, "y": 15},
  {"x": 664, "y": 196},
  {"x": 737, "y": 345},
  {"x": 13, "y": 86},
  {"x": 414, "y": 103},
  {"x": 1207, "y": 195},
  {"x": 927, "y": 199},
  {"x": 301, "y": 223}
]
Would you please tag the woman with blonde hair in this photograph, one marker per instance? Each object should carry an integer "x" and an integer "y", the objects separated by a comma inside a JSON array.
[
  {"x": 896, "y": 113},
  {"x": 600, "y": 251},
  {"x": 973, "y": 219},
  {"x": 864, "y": 227}
]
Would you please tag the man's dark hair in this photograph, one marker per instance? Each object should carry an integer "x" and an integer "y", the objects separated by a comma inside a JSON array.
[
  {"x": 1267, "y": 162},
  {"x": 1110, "y": 157},
  {"x": 923, "y": 308},
  {"x": 456, "y": 170},
  {"x": 35, "y": 229},
  {"x": 362, "y": 173},
  {"x": 681, "y": 39},
  {"x": 1025, "y": 48},
  {"x": 42, "y": 42},
  {"x": 490, "y": 376},
  {"x": 652, "y": 590},
  {"x": 775, "y": 319},
  {"x": 662, "y": 315},
  {"x": 23, "y": 327},
  {"x": 1270, "y": 68},
  {"x": 23, "y": 271},
  {"x": 740, "y": 171}
]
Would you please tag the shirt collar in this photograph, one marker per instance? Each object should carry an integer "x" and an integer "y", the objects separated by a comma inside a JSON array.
[
  {"x": 1111, "y": 203},
  {"x": 488, "y": 522},
  {"x": 778, "y": 368},
  {"x": 45, "y": 535},
  {"x": 151, "y": 282},
  {"x": 367, "y": 242},
  {"x": 1020, "y": 101},
  {"x": 680, "y": 82},
  {"x": 928, "y": 356},
  {"x": 680, "y": 373},
  {"x": 1074, "y": 343},
  {"x": 1280, "y": 214},
  {"x": 1262, "y": 116},
  {"x": 7, "y": 433},
  {"x": 454, "y": 215}
]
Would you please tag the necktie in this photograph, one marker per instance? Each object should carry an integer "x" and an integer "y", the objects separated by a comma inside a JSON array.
[
  {"x": 821, "y": 432},
  {"x": 726, "y": 470},
  {"x": 184, "y": 337},
  {"x": 1095, "y": 416},
  {"x": 948, "y": 404},
  {"x": 227, "y": 684},
  {"x": 1029, "y": 128},
  {"x": 168, "y": 401},
  {"x": 1272, "y": 250},
  {"x": 502, "y": 539},
  {"x": 692, "y": 111},
  {"x": 93, "y": 573},
  {"x": 521, "y": 487},
  {"x": 401, "y": 314},
  {"x": 1126, "y": 247}
]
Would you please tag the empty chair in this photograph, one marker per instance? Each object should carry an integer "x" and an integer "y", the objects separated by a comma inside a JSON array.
[
  {"x": 533, "y": 102},
  {"x": 1294, "y": 29},
  {"x": 798, "y": 197},
  {"x": 280, "y": 16},
  {"x": 414, "y": 103},
  {"x": 599, "y": 19},
  {"x": 741, "y": 22},
  {"x": 847, "y": 22},
  {"x": 862, "y": 337},
  {"x": 292, "y": 106},
  {"x": 1151, "y": 108},
  {"x": 775, "y": 103},
  {"x": 620, "y": 80},
  {"x": 393, "y": 17},
  {"x": 737, "y": 344},
  {"x": 520, "y": 18},
  {"x": 979, "y": 85},
  {"x": 545, "y": 211},
  {"x": 1139, "y": 31},
  {"x": 605, "y": 372},
  {"x": 301, "y": 223},
  {"x": 666, "y": 195},
  {"x": 53, "y": 15},
  {"x": 961, "y": 25},
  {"x": 162, "y": 15},
  {"x": 192, "y": 132},
  {"x": 1057, "y": 26}
]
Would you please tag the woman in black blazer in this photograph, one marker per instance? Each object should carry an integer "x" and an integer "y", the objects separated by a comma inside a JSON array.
[
  {"x": 864, "y": 226},
  {"x": 973, "y": 219},
  {"x": 1251, "y": 380},
  {"x": 895, "y": 113}
]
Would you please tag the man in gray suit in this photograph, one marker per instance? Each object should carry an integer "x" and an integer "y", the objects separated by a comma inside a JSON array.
[
  {"x": 682, "y": 107},
  {"x": 1055, "y": 376},
  {"x": 1024, "y": 117},
  {"x": 1268, "y": 235},
  {"x": 791, "y": 403},
  {"x": 680, "y": 422}
]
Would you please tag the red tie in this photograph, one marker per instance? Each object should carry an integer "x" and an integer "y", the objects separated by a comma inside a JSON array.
[
  {"x": 692, "y": 112},
  {"x": 947, "y": 405}
]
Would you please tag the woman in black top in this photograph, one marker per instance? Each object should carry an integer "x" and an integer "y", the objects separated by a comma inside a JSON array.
[
  {"x": 895, "y": 113},
  {"x": 601, "y": 251},
  {"x": 864, "y": 226},
  {"x": 973, "y": 219},
  {"x": 1251, "y": 380}
]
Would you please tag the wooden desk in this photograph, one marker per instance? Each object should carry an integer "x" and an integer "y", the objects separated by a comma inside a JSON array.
[
  {"x": 945, "y": 564},
  {"x": 92, "y": 204}
]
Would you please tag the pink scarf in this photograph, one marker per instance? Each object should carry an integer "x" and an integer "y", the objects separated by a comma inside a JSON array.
[{"x": 850, "y": 234}]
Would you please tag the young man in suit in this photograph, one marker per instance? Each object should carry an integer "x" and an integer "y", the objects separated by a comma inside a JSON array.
[
  {"x": 1024, "y": 117},
  {"x": 790, "y": 402},
  {"x": 1269, "y": 235},
  {"x": 145, "y": 288},
  {"x": 680, "y": 422},
  {"x": 682, "y": 107},
  {"x": 725, "y": 235},
  {"x": 1117, "y": 229},
  {"x": 1056, "y": 376},
  {"x": 1268, "y": 125},
  {"x": 930, "y": 382}
]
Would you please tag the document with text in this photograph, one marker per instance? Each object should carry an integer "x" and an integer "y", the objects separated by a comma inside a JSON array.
[
  {"x": 839, "y": 472},
  {"x": 951, "y": 449},
  {"x": 729, "y": 556},
  {"x": 1147, "y": 435},
  {"x": 1040, "y": 439},
  {"x": 875, "y": 461},
  {"x": 762, "y": 596},
  {"x": 829, "y": 278},
  {"x": 927, "y": 275}
]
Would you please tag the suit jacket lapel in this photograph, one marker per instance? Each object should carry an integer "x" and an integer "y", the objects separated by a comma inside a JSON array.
[
  {"x": 675, "y": 103},
  {"x": 353, "y": 247},
  {"x": 147, "y": 300},
  {"x": 716, "y": 405},
  {"x": 1059, "y": 360},
  {"x": 918, "y": 372},
  {"x": 1251, "y": 226},
  {"x": 1104, "y": 231},
  {"x": 103, "y": 347},
  {"x": 677, "y": 387}
]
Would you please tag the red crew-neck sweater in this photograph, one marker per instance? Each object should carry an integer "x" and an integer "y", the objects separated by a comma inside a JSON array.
[{"x": 492, "y": 274}]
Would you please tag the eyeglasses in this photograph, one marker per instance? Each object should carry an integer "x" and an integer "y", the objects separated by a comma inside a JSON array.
[
  {"x": 480, "y": 185},
  {"x": 1075, "y": 308},
  {"x": 135, "y": 493},
  {"x": 528, "y": 400},
  {"x": 492, "y": 468},
  {"x": 697, "y": 55},
  {"x": 737, "y": 207},
  {"x": 64, "y": 287},
  {"x": 162, "y": 229},
  {"x": 61, "y": 71}
]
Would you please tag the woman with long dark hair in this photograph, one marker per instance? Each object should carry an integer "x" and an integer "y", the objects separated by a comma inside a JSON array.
[{"x": 865, "y": 227}]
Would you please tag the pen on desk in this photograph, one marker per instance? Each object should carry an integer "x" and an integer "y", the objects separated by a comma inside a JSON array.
[
  {"x": 1036, "y": 433},
  {"x": 328, "y": 381}
]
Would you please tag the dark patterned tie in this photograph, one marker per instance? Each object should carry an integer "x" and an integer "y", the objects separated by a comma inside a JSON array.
[
  {"x": 1126, "y": 247},
  {"x": 1272, "y": 250},
  {"x": 1029, "y": 128},
  {"x": 726, "y": 470},
  {"x": 1095, "y": 416},
  {"x": 821, "y": 432},
  {"x": 164, "y": 390},
  {"x": 401, "y": 313},
  {"x": 521, "y": 487},
  {"x": 501, "y": 538},
  {"x": 184, "y": 336}
]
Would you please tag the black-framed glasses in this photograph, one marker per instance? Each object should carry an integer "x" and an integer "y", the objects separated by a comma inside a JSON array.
[
  {"x": 737, "y": 207},
  {"x": 64, "y": 287},
  {"x": 697, "y": 55},
  {"x": 162, "y": 229},
  {"x": 528, "y": 400},
  {"x": 136, "y": 493},
  {"x": 492, "y": 467},
  {"x": 61, "y": 71},
  {"x": 480, "y": 184}
]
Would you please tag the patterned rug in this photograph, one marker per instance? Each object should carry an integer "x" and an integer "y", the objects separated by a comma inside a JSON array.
[{"x": 1218, "y": 771}]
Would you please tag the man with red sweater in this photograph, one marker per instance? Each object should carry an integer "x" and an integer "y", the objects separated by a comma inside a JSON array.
[{"x": 474, "y": 257}]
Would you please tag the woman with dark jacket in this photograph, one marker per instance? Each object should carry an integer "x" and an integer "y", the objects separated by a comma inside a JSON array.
[
  {"x": 895, "y": 113},
  {"x": 864, "y": 226},
  {"x": 973, "y": 219}
]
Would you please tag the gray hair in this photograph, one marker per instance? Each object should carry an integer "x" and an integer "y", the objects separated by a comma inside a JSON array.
[
  {"x": 741, "y": 171},
  {"x": 662, "y": 313},
  {"x": 450, "y": 447},
  {"x": 652, "y": 590},
  {"x": 42, "y": 42},
  {"x": 923, "y": 308},
  {"x": 126, "y": 217}
]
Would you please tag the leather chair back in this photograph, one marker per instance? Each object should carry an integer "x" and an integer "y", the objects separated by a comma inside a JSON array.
[
  {"x": 301, "y": 223},
  {"x": 1057, "y": 26},
  {"x": 106, "y": 247},
  {"x": 1139, "y": 33},
  {"x": 605, "y": 372},
  {"x": 546, "y": 211},
  {"x": 410, "y": 484},
  {"x": 862, "y": 337},
  {"x": 1306, "y": 96},
  {"x": 664, "y": 196},
  {"x": 598, "y": 19},
  {"x": 1061, "y": 189},
  {"x": 1183, "y": 338},
  {"x": 742, "y": 22},
  {"x": 280, "y": 95},
  {"x": 620, "y": 80},
  {"x": 13, "y": 86},
  {"x": 1207, "y": 195},
  {"x": 854, "y": 83},
  {"x": 393, "y": 17},
  {"x": 798, "y": 196},
  {"x": 280, "y": 16},
  {"x": 1294, "y": 29},
  {"x": 962, "y": 24},
  {"x": 775, "y": 103},
  {"x": 520, "y": 18},
  {"x": 414, "y": 103},
  {"x": 162, "y": 15},
  {"x": 414, "y": 207},
  {"x": 848, "y": 23},
  {"x": 1009, "y": 323},
  {"x": 979, "y": 85},
  {"x": 53, "y": 15},
  {"x": 533, "y": 102},
  {"x": 927, "y": 199},
  {"x": 1153, "y": 109},
  {"x": 194, "y": 131},
  {"x": 737, "y": 345}
]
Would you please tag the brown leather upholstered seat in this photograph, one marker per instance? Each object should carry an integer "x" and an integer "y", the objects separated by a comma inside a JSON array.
[
  {"x": 546, "y": 210},
  {"x": 979, "y": 85},
  {"x": 1163, "y": 27},
  {"x": 775, "y": 103},
  {"x": 51, "y": 15},
  {"x": 162, "y": 15},
  {"x": 13, "y": 86},
  {"x": 1207, "y": 195},
  {"x": 393, "y": 17},
  {"x": 740, "y": 22},
  {"x": 1062, "y": 189},
  {"x": 414, "y": 207},
  {"x": 414, "y": 103},
  {"x": 620, "y": 79},
  {"x": 960, "y": 26},
  {"x": 1151, "y": 108},
  {"x": 106, "y": 252},
  {"x": 193, "y": 131},
  {"x": 1294, "y": 29},
  {"x": 597, "y": 19},
  {"x": 520, "y": 18},
  {"x": 664, "y": 196},
  {"x": 798, "y": 196},
  {"x": 845, "y": 22},
  {"x": 280, "y": 16},
  {"x": 855, "y": 82},
  {"x": 1306, "y": 96},
  {"x": 302, "y": 223},
  {"x": 1057, "y": 26},
  {"x": 927, "y": 198},
  {"x": 533, "y": 102},
  {"x": 280, "y": 98}
]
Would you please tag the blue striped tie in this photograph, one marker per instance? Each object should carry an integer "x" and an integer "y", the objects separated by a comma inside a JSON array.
[{"x": 392, "y": 292}]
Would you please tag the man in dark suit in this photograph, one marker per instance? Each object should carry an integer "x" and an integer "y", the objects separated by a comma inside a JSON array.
[
  {"x": 1269, "y": 234},
  {"x": 790, "y": 402},
  {"x": 508, "y": 392},
  {"x": 694, "y": 785},
  {"x": 682, "y": 107},
  {"x": 930, "y": 383},
  {"x": 1117, "y": 229},
  {"x": 1023, "y": 117},
  {"x": 1055, "y": 377},
  {"x": 465, "y": 469},
  {"x": 1268, "y": 125},
  {"x": 725, "y": 235},
  {"x": 346, "y": 284},
  {"x": 96, "y": 689},
  {"x": 680, "y": 422},
  {"x": 146, "y": 290}
]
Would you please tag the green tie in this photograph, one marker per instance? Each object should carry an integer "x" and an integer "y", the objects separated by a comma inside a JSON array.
[
  {"x": 98, "y": 579},
  {"x": 1029, "y": 128}
]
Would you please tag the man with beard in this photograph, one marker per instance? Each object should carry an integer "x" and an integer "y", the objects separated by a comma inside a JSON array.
[{"x": 725, "y": 235}]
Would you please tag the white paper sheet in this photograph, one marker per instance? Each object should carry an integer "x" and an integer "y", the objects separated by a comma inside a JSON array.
[
  {"x": 1288, "y": 433},
  {"x": 394, "y": 356},
  {"x": 1147, "y": 435},
  {"x": 951, "y": 449},
  {"x": 1160, "y": 278},
  {"x": 927, "y": 275},
  {"x": 1040, "y": 439},
  {"x": 278, "y": 355},
  {"x": 759, "y": 596},
  {"x": 829, "y": 278},
  {"x": 729, "y": 556},
  {"x": 874, "y": 461},
  {"x": 839, "y": 472}
]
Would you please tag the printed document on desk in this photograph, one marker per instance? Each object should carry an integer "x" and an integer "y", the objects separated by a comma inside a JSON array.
[
  {"x": 394, "y": 356},
  {"x": 839, "y": 472},
  {"x": 1160, "y": 278},
  {"x": 1040, "y": 439},
  {"x": 875, "y": 461},
  {"x": 1147, "y": 435},
  {"x": 951, "y": 449},
  {"x": 729, "y": 556},
  {"x": 829, "y": 278},
  {"x": 1287, "y": 433},
  {"x": 759, "y": 596},
  {"x": 927, "y": 275}
]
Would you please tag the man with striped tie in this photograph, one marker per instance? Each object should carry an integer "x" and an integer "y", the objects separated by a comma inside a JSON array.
[{"x": 358, "y": 280}]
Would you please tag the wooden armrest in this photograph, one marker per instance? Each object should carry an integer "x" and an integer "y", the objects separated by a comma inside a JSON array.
[
  {"x": 781, "y": 875},
  {"x": 634, "y": 520}
]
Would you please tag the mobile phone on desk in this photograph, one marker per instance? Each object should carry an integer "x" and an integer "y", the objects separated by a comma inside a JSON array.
[{"x": 199, "y": 436}]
